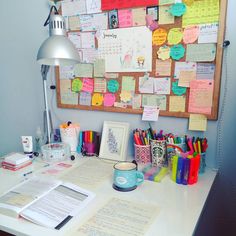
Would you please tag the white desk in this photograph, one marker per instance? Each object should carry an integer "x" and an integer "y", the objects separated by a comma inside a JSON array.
[{"x": 180, "y": 205}]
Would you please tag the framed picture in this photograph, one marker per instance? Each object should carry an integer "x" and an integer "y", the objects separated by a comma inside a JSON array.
[
  {"x": 153, "y": 11},
  {"x": 113, "y": 19},
  {"x": 114, "y": 141}
]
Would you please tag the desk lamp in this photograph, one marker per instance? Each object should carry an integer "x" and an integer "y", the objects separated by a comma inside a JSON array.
[{"x": 56, "y": 50}]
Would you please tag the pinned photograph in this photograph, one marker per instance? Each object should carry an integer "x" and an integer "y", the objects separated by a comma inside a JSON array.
[{"x": 113, "y": 19}]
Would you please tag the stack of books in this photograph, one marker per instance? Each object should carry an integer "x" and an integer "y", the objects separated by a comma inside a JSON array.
[{"x": 16, "y": 161}]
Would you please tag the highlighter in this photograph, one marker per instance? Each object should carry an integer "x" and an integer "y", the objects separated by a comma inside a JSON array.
[
  {"x": 180, "y": 170},
  {"x": 161, "y": 174},
  {"x": 174, "y": 167},
  {"x": 186, "y": 171}
]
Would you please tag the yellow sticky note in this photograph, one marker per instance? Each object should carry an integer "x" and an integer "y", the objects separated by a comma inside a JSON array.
[
  {"x": 159, "y": 36},
  {"x": 175, "y": 36},
  {"x": 125, "y": 96},
  {"x": 188, "y": 2},
  {"x": 163, "y": 53},
  {"x": 177, "y": 103},
  {"x": 97, "y": 99},
  {"x": 197, "y": 122}
]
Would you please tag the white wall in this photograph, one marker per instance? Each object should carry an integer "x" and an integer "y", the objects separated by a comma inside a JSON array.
[{"x": 21, "y": 101}]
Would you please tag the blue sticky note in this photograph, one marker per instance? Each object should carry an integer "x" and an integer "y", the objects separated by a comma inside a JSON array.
[
  {"x": 177, "y": 51},
  {"x": 177, "y": 9}
]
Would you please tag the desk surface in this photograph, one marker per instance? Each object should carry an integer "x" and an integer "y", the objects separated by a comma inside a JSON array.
[{"x": 180, "y": 205}]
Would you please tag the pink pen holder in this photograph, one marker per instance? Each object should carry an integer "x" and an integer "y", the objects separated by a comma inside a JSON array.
[{"x": 142, "y": 153}]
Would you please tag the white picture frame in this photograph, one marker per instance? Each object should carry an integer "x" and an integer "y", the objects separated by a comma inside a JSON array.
[{"x": 114, "y": 142}]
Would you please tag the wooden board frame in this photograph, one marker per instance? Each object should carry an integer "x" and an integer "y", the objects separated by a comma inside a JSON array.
[{"x": 217, "y": 80}]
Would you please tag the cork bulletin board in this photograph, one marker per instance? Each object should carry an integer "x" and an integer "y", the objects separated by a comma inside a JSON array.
[{"x": 160, "y": 54}]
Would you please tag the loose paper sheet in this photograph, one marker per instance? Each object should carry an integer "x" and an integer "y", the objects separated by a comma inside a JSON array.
[
  {"x": 85, "y": 98},
  {"x": 139, "y": 16},
  {"x": 177, "y": 103},
  {"x": 201, "y": 12},
  {"x": 197, "y": 122},
  {"x": 126, "y": 50},
  {"x": 83, "y": 70},
  {"x": 75, "y": 38},
  {"x": 201, "y": 52},
  {"x": 162, "y": 85},
  {"x": 184, "y": 66},
  {"x": 137, "y": 101},
  {"x": 200, "y": 97},
  {"x": 163, "y": 68},
  {"x": 91, "y": 174},
  {"x": 146, "y": 84},
  {"x": 74, "y": 22},
  {"x": 66, "y": 72},
  {"x": 150, "y": 113},
  {"x": 128, "y": 83},
  {"x": 121, "y": 217},
  {"x": 99, "y": 68},
  {"x": 93, "y": 6},
  {"x": 100, "y": 85}
]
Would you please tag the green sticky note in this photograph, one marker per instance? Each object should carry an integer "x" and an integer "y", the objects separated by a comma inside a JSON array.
[
  {"x": 76, "y": 85},
  {"x": 177, "y": 9},
  {"x": 177, "y": 52},
  {"x": 113, "y": 86},
  {"x": 177, "y": 90}
]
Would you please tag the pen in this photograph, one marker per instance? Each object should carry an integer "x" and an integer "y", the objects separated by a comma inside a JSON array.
[{"x": 28, "y": 173}]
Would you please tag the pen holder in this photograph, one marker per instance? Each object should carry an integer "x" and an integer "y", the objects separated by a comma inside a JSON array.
[
  {"x": 202, "y": 163},
  {"x": 89, "y": 149},
  {"x": 158, "y": 153},
  {"x": 142, "y": 153}
]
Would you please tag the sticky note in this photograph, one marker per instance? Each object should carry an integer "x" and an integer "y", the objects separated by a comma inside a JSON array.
[
  {"x": 197, "y": 122},
  {"x": 109, "y": 99},
  {"x": 150, "y": 113},
  {"x": 191, "y": 34},
  {"x": 175, "y": 36},
  {"x": 177, "y": 51},
  {"x": 113, "y": 86},
  {"x": 159, "y": 36},
  {"x": 178, "y": 9},
  {"x": 125, "y": 96},
  {"x": 163, "y": 52},
  {"x": 177, "y": 90},
  {"x": 76, "y": 85},
  {"x": 97, "y": 99}
]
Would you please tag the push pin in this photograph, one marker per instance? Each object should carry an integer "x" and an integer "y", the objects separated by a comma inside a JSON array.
[{"x": 72, "y": 157}]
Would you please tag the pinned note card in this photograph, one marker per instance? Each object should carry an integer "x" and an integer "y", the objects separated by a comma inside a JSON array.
[
  {"x": 185, "y": 77},
  {"x": 72, "y": 8},
  {"x": 197, "y": 122},
  {"x": 177, "y": 103},
  {"x": 205, "y": 70},
  {"x": 85, "y": 98},
  {"x": 154, "y": 100},
  {"x": 164, "y": 16},
  {"x": 184, "y": 66},
  {"x": 87, "y": 39},
  {"x": 128, "y": 83},
  {"x": 177, "y": 51},
  {"x": 125, "y": 18},
  {"x": 150, "y": 113},
  {"x": 99, "y": 68},
  {"x": 139, "y": 15},
  {"x": 162, "y": 85},
  {"x": 201, "y": 52},
  {"x": 137, "y": 101},
  {"x": 163, "y": 68},
  {"x": 159, "y": 36},
  {"x": 74, "y": 23},
  {"x": 163, "y": 52},
  {"x": 93, "y": 6},
  {"x": 69, "y": 98},
  {"x": 191, "y": 34},
  {"x": 146, "y": 84},
  {"x": 208, "y": 33},
  {"x": 100, "y": 85},
  {"x": 66, "y": 72},
  {"x": 83, "y": 70},
  {"x": 87, "y": 85},
  {"x": 200, "y": 97},
  {"x": 175, "y": 36}
]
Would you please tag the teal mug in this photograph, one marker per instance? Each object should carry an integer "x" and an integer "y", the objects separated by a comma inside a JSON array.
[{"x": 126, "y": 176}]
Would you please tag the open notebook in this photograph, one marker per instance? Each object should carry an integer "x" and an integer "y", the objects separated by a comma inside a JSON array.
[{"x": 47, "y": 202}]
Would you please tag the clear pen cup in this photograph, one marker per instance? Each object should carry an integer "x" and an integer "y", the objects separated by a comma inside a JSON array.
[{"x": 202, "y": 166}]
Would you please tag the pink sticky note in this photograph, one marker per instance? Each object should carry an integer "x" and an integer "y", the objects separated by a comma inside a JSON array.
[
  {"x": 125, "y": 18},
  {"x": 191, "y": 34},
  {"x": 109, "y": 99},
  {"x": 87, "y": 85}
]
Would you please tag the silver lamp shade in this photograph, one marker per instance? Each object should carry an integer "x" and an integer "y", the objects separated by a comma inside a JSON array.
[{"x": 57, "y": 49}]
